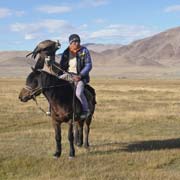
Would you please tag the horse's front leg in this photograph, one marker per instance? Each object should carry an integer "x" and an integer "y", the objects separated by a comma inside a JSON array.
[
  {"x": 71, "y": 140},
  {"x": 80, "y": 141},
  {"x": 76, "y": 134},
  {"x": 57, "y": 128}
]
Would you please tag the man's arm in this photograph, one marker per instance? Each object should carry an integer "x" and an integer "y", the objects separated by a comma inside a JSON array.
[{"x": 88, "y": 64}]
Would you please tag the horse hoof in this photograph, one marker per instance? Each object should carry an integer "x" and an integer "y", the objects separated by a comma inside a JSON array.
[
  {"x": 79, "y": 144},
  {"x": 56, "y": 155},
  {"x": 71, "y": 157},
  {"x": 86, "y": 146}
]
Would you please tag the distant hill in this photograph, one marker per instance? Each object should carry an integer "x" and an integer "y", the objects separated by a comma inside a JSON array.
[
  {"x": 162, "y": 49},
  {"x": 101, "y": 47},
  {"x": 13, "y": 58}
]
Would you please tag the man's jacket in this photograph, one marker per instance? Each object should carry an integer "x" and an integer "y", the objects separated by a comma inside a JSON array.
[{"x": 84, "y": 63}]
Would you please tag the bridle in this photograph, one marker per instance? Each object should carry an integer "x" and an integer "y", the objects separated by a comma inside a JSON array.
[{"x": 33, "y": 92}]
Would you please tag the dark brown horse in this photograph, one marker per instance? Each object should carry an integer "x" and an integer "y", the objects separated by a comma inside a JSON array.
[{"x": 59, "y": 94}]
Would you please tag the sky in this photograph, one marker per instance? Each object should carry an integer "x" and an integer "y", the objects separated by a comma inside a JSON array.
[{"x": 24, "y": 23}]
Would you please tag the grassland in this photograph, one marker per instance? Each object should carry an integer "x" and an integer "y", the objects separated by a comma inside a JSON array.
[{"x": 135, "y": 134}]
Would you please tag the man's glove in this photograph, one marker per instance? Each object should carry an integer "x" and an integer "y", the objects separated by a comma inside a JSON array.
[{"x": 76, "y": 78}]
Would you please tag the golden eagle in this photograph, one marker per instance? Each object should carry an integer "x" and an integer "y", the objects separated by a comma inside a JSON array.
[{"x": 44, "y": 49}]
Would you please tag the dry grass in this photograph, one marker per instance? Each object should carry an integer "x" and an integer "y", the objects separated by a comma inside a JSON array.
[{"x": 135, "y": 134}]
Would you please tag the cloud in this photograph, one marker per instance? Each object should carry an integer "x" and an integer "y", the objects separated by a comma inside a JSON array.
[
  {"x": 54, "y": 9},
  {"x": 31, "y": 36},
  {"x": 83, "y": 26},
  {"x": 4, "y": 12},
  {"x": 53, "y": 25},
  {"x": 99, "y": 21},
  {"x": 122, "y": 33},
  {"x": 93, "y": 3},
  {"x": 19, "y": 13},
  {"x": 174, "y": 8},
  {"x": 17, "y": 27},
  {"x": 51, "y": 9},
  {"x": 49, "y": 25},
  {"x": 53, "y": 28},
  {"x": 42, "y": 28},
  {"x": 113, "y": 33}
]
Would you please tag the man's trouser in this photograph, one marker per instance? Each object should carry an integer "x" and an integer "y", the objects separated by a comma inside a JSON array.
[{"x": 79, "y": 91}]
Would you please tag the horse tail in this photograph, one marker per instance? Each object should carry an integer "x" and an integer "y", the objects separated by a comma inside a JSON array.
[{"x": 93, "y": 93}]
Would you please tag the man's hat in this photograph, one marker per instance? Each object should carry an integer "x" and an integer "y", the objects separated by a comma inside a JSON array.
[{"x": 74, "y": 37}]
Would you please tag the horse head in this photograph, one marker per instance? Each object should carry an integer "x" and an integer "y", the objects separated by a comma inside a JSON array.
[{"x": 33, "y": 86}]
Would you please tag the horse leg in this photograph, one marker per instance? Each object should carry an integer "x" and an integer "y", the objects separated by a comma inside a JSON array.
[
  {"x": 80, "y": 140},
  {"x": 87, "y": 129},
  {"x": 57, "y": 128},
  {"x": 76, "y": 134},
  {"x": 71, "y": 140}
]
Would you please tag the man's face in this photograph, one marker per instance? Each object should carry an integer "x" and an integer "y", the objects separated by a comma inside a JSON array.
[{"x": 75, "y": 44}]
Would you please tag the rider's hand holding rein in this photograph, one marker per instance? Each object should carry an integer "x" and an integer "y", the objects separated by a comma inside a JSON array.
[{"x": 76, "y": 78}]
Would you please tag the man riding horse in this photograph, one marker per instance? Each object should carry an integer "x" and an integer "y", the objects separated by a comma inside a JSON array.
[
  {"x": 76, "y": 59},
  {"x": 75, "y": 64}
]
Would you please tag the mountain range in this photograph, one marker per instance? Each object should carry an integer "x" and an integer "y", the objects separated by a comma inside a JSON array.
[{"x": 161, "y": 51}]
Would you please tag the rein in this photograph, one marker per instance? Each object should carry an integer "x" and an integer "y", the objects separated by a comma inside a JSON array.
[{"x": 64, "y": 72}]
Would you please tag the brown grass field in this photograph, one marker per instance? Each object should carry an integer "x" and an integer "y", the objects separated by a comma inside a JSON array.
[{"x": 135, "y": 134}]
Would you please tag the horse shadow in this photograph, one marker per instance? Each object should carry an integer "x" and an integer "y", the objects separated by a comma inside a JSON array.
[
  {"x": 153, "y": 145},
  {"x": 138, "y": 146}
]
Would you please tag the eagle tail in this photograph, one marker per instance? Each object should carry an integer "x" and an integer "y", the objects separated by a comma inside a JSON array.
[{"x": 29, "y": 54}]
